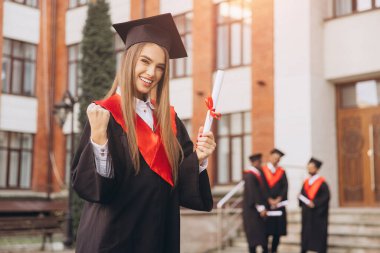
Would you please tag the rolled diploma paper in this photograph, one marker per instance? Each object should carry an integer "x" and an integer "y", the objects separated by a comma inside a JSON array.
[
  {"x": 282, "y": 203},
  {"x": 215, "y": 95},
  {"x": 274, "y": 213},
  {"x": 304, "y": 199}
]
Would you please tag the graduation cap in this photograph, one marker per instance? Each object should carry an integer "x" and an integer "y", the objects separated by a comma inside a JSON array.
[
  {"x": 276, "y": 151},
  {"x": 159, "y": 29},
  {"x": 316, "y": 162},
  {"x": 255, "y": 157}
]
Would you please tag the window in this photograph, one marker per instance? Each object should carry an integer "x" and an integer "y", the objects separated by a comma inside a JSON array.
[
  {"x": 183, "y": 67},
  {"x": 361, "y": 94},
  {"x": 233, "y": 33},
  {"x": 18, "y": 68},
  {"x": 77, "y": 3},
  {"x": 346, "y": 7},
  {"x": 31, "y": 3},
  {"x": 119, "y": 50},
  {"x": 234, "y": 146},
  {"x": 16, "y": 156},
  {"x": 74, "y": 72}
]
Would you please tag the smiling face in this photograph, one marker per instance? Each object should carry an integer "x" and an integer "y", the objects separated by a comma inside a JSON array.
[{"x": 149, "y": 69}]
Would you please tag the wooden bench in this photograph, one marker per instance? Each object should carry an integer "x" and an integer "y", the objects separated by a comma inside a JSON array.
[{"x": 45, "y": 222}]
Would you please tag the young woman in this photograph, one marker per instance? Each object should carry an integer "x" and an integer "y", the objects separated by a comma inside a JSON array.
[{"x": 136, "y": 165}]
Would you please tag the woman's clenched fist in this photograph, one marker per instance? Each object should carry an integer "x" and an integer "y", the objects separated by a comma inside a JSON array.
[{"x": 98, "y": 118}]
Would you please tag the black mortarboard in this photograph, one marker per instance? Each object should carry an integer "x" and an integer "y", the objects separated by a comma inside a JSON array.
[
  {"x": 255, "y": 157},
  {"x": 159, "y": 29},
  {"x": 276, "y": 151},
  {"x": 317, "y": 162}
]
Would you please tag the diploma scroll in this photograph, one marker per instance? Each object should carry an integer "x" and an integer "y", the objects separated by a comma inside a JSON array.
[
  {"x": 274, "y": 213},
  {"x": 215, "y": 96},
  {"x": 282, "y": 203},
  {"x": 304, "y": 199}
]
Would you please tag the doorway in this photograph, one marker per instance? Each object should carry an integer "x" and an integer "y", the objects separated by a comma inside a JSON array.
[{"x": 358, "y": 122}]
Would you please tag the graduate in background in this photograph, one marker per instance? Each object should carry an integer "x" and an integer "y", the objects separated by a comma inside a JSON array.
[
  {"x": 254, "y": 209},
  {"x": 314, "y": 201},
  {"x": 135, "y": 164},
  {"x": 276, "y": 185}
]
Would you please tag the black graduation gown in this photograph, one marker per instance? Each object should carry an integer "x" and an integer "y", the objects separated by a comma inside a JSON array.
[
  {"x": 277, "y": 225},
  {"x": 134, "y": 213},
  {"x": 254, "y": 225},
  {"x": 315, "y": 221}
]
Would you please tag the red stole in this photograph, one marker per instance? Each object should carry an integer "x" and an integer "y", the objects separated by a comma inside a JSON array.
[
  {"x": 312, "y": 190},
  {"x": 272, "y": 179},
  {"x": 255, "y": 173},
  {"x": 148, "y": 142}
]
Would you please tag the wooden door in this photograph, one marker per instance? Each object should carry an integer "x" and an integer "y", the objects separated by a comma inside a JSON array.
[{"x": 359, "y": 156}]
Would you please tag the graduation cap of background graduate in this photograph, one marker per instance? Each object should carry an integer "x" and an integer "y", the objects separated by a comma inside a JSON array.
[
  {"x": 277, "y": 151},
  {"x": 159, "y": 29},
  {"x": 317, "y": 162},
  {"x": 255, "y": 157}
]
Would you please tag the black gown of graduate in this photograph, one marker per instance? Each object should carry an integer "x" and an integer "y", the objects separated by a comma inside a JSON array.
[
  {"x": 132, "y": 213},
  {"x": 277, "y": 225},
  {"x": 254, "y": 224},
  {"x": 315, "y": 220}
]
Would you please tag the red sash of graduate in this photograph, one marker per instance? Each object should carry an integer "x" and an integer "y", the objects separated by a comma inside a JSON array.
[
  {"x": 271, "y": 178},
  {"x": 312, "y": 190},
  {"x": 254, "y": 172},
  {"x": 148, "y": 141}
]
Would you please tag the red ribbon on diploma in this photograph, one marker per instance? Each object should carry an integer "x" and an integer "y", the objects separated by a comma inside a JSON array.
[{"x": 210, "y": 106}]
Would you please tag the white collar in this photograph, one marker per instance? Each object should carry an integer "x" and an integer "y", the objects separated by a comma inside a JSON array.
[
  {"x": 254, "y": 169},
  {"x": 271, "y": 168},
  {"x": 312, "y": 179},
  {"x": 139, "y": 102}
]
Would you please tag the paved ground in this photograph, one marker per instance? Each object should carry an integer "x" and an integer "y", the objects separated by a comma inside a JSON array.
[
  {"x": 15, "y": 250},
  {"x": 31, "y": 245},
  {"x": 46, "y": 251}
]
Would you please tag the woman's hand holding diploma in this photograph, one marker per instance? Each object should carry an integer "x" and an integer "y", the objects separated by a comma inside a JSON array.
[{"x": 205, "y": 145}]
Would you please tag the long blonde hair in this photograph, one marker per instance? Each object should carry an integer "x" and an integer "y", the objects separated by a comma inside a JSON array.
[{"x": 125, "y": 79}]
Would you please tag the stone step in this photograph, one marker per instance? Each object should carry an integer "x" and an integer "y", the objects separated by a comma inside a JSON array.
[
  {"x": 296, "y": 249},
  {"x": 371, "y": 218},
  {"x": 351, "y": 230},
  {"x": 339, "y": 229},
  {"x": 353, "y": 210},
  {"x": 354, "y": 220},
  {"x": 345, "y": 211},
  {"x": 335, "y": 241}
]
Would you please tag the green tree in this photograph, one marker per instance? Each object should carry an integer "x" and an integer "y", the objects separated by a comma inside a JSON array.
[
  {"x": 97, "y": 68},
  {"x": 98, "y": 56}
]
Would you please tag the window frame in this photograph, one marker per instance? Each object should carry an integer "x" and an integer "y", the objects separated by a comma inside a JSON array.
[
  {"x": 23, "y": 60},
  {"x": 342, "y": 86},
  {"x": 229, "y": 24},
  {"x": 24, "y": 2},
  {"x": 19, "y": 152},
  {"x": 119, "y": 51},
  {"x": 187, "y": 31},
  {"x": 77, "y": 4},
  {"x": 353, "y": 8},
  {"x": 76, "y": 61},
  {"x": 230, "y": 137}
]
